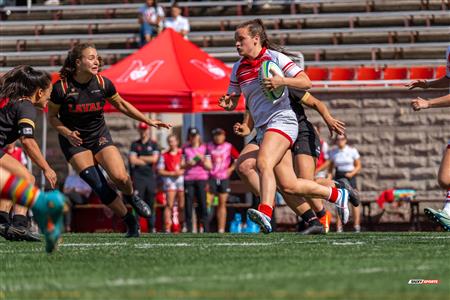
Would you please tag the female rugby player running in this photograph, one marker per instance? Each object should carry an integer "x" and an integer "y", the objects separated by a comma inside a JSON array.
[
  {"x": 306, "y": 151},
  {"x": 76, "y": 112},
  {"x": 276, "y": 122},
  {"x": 26, "y": 89},
  {"x": 442, "y": 217}
]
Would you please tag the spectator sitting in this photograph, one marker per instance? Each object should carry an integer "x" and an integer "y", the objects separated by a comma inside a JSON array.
[
  {"x": 176, "y": 21},
  {"x": 78, "y": 192},
  {"x": 151, "y": 16}
]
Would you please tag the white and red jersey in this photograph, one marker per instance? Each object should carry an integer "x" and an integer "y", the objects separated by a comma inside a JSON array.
[
  {"x": 221, "y": 156},
  {"x": 447, "y": 73},
  {"x": 170, "y": 161},
  {"x": 244, "y": 78}
]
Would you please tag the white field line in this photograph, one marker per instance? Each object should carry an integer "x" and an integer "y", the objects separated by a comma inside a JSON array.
[
  {"x": 127, "y": 282},
  {"x": 90, "y": 244},
  {"x": 347, "y": 243}
]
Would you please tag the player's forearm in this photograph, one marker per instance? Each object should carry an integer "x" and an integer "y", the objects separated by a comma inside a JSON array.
[
  {"x": 443, "y": 82},
  {"x": 320, "y": 107},
  {"x": 32, "y": 149},
  {"x": 131, "y": 111},
  {"x": 59, "y": 126},
  {"x": 301, "y": 82},
  {"x": 248, "y": 120},
  {"x": 443, "y": 101}
]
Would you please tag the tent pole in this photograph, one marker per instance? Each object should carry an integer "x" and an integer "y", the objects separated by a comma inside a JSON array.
[
  {"x": 44, "y": 145},
  {"x": 192, "y": 119}
]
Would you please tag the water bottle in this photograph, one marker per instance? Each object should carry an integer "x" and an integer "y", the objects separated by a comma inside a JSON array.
[
  {"x": 251, "y": 227},
  {"x": 236, "y": 224}
]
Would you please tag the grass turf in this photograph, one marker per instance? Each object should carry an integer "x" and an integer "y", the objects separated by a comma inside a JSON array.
[{"x": 212, "y": 266}]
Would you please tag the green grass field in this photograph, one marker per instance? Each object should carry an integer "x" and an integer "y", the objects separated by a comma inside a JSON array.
[{"x": 211, "y": 266}]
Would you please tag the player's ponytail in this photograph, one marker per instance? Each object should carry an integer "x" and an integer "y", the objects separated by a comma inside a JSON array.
[
  {"x": 256, "y": 27},
  {"x": 23, "y": 81},
  {"x": 69, "y": 67}
]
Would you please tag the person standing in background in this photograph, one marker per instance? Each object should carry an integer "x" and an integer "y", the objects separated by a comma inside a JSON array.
[
  {"x": 222, "y": 153},
  {"x": 197, "y": 163},
  {"x": 144, "y": 154},
  {"x": 151, "y": 16},
  {"x": 169, "y": 168},
  {"x": 17, "y": 152},
  {"x": 176, "y": 21},
  {"x": 346, "y": 163}
]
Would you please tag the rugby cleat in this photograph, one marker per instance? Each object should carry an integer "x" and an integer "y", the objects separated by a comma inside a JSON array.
[
  {"x": 132, "y": 230},
  {"x": 325, "y": 221},
  {"x": 4, "y": 230},
  {"x": 438, "y": 216},
  {"x": 342, "y": 206},
  {"x": 48, "y": 213},
  {"x": 313, "y": 229},
  {"x": 261, "y": 219},
  {"x": 20, "y": 233},
  {"x": 140, "y": 206},
  {"x": 353, "y": 195}
]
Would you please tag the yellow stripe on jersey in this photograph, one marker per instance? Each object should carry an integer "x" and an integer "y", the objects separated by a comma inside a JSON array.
[
  {"x": 27, "y": 121},
  {"x": 114, "y": 97},
  {"x": 305, "y": 97}
]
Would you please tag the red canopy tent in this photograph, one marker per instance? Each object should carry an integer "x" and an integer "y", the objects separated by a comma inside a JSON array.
[{"x": 171, "y": 74}]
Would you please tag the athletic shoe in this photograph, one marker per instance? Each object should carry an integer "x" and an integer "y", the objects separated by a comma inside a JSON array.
[
  {"x": 313, "y": 229},
  {"x": 353, "y": 195},
  {"x": 21, "y": 233},
  {"x": 48, "y": 213},
  {"x": 326, "y": 221},
  {"x": 439, "y": 216},
  {"x": 357, "y": 228},
  {"x": 342, "y": 206},
  {"x": 4, "y": 230},
  {"x": 140, "y": 206},
  {"x": 261, "y": 219},
  {"x": 132, "y": 231}
]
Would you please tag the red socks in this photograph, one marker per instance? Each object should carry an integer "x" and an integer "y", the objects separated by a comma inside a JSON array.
[
  {"x": 266, "y": 209},
  {"x": 334, "y": 195}
]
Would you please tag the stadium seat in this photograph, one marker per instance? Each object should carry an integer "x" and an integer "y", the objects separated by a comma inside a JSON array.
[
  {"x": 440, "y": 72},
  {"x": 368, "y": 73},
  {"x": 391, "y": 73},
  {"x": 342, "y": 73},
  {"x": 316, "y": 73},
  {"x": 421, "y": 72}
]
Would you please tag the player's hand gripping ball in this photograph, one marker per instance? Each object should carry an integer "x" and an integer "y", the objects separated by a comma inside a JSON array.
[{"x": 267, "y": 70}]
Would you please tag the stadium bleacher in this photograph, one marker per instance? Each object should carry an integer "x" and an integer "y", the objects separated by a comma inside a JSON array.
[{"x": 330, "y": 34}]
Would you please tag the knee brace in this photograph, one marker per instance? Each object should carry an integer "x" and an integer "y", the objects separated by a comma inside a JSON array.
[{"x": 97, "y": 181}]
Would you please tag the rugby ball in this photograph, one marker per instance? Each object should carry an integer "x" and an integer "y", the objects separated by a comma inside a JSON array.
[{"x": 265, "y": 72}]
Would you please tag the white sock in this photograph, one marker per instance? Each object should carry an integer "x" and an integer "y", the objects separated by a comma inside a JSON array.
[{"x": 447, "y": 203}]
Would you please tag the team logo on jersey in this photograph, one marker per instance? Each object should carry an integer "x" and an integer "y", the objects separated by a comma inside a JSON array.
[
  {"x": 102, "y": 141},
  {"x": 210, "y": 68},
  {"x": 85, "y": 107},
  {"x": 139, "y": 72}
]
